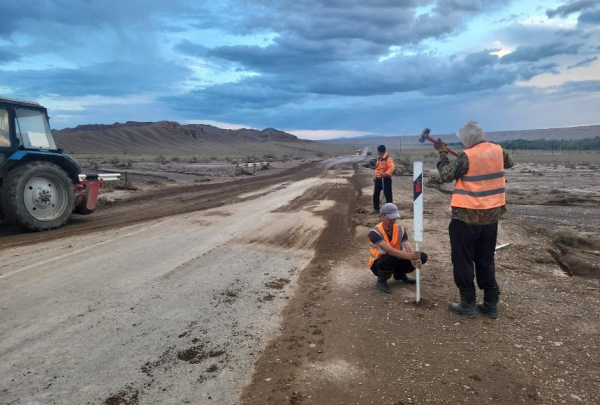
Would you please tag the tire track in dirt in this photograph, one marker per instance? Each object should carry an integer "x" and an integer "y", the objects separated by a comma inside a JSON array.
[
  {"x": 303, "y": 317},
  {"x": 158, "y": 204}
]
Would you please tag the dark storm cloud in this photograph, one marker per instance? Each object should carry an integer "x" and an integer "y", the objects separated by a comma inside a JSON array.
[
  {"x": 110, "y": 79},
  {"x": 383, "y": 22},
  {"x": 34, "y": 17},
  {"x": 535, "y": 53},
  {"x": 245, "y": 95},
  {"x": 423, "y": 73},
  {"x": 7, "y": 56},
  {"x": 189, "y": 48},
  {"x": 576, "y": 88},
  {"x": 585, "y": 62},
  {"x": 571, "y": 7},
  {"x": 590, "y": 17}
]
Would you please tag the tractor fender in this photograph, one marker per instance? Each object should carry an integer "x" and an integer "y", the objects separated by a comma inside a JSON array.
[{"x": 65, "y": 162}]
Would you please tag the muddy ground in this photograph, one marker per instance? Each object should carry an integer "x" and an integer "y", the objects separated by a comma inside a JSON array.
[{"x": 257, "y": 292}]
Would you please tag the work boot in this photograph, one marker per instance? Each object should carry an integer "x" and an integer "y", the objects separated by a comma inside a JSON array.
[
  {"x": 489, "y": 306},
  {"x": 374, "y": 212},
  {"x": 401, "y": 276},
  {"x": 383, "y": 285},
  {"x": 466, "y": 306}
]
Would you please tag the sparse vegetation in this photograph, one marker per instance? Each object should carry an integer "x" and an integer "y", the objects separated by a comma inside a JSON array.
[
  {"x": 568, "y": 237},
  {"x": 160, "y": 159},
  {"x": 558, "y": 145},
  {"x": 123, "y": 184}
]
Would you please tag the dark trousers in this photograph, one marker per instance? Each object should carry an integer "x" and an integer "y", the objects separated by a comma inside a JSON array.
[
  {"x": 387, "y": 265},
  {"x": 385, "y": 184},
  {"x": 473, "y": 248}
]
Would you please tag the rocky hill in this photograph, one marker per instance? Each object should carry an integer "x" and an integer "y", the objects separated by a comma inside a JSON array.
[{"x": 170, "y": 138}]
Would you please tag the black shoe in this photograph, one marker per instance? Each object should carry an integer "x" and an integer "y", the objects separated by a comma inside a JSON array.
[
  {"x": 489, "y": 306},
  {"x": 403, "y": 277},
  {"x": 466, "y": 306},
  {"x": 383, "y": 286},
  {"x": 374, "y": 212}
]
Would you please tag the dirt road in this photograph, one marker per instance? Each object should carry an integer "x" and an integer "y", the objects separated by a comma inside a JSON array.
[
  {"x": 166, "y": 310},
  {"x": 162, "y": 203},
  {"x": 267, "y": 300}
]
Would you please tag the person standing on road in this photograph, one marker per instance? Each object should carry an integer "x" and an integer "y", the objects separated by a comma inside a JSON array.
[
  {"x": 477, "y": 203},
  {"x": 391, "y": 252},
  {"x": 383, "y": 178}
]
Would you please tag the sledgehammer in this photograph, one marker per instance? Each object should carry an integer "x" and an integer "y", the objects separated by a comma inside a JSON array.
[{"x": 425, "y": 136}]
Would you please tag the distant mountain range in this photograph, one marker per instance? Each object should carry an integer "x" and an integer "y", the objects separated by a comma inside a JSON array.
[
  {"x": 570, "y": 133},
  {"x": 169, "y": 138},
  {"x": 172, "y": 139}
]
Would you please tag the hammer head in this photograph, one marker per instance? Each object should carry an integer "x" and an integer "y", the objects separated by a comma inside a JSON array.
[{"x": 424, "y": 135}]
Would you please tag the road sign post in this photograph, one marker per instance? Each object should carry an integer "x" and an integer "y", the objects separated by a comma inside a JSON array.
[{"x": 418, "y": 218}]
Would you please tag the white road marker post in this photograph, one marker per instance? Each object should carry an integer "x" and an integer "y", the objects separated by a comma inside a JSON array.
[{"x": 418, "y": 217}]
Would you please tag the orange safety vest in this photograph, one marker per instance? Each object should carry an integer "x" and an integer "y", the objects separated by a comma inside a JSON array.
[
  {"x": 376, "y": 251},
  {"x": 483, "y": 186},
  {"x": 385, "y": 164}
]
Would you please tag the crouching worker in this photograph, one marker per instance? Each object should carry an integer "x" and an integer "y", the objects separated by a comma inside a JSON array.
[{"x": 391, "y": 252}]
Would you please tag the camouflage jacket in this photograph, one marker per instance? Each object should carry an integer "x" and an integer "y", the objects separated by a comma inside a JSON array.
[{"x": 450, "y": 171}]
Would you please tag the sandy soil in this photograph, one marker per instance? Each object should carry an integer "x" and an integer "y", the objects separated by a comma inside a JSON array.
[
  {"x": 257, "y": 292},
  {"x": 345, "y": 342}
]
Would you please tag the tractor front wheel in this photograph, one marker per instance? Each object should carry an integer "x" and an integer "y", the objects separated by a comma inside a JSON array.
[{"x": 37, "y": 196}]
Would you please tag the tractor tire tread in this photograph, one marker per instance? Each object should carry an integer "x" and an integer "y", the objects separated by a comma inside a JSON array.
[{"x": 16, "y": 213}]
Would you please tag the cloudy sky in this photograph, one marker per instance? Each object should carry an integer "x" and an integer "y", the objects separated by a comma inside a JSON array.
[{"x": 316, "y": 68}]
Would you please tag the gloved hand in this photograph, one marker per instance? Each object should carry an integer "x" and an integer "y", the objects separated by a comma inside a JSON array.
[{"x": 440, "y": 146}]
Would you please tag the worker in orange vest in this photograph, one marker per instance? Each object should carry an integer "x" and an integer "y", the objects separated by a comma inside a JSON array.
[
  {"x": 391, "y": 252},
  {"x": 383, "y": 178},
  {"x": 477, "y": 203}
]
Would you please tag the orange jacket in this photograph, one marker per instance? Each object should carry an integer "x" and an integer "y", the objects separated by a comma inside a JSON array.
[
  {"x": 385, "y": 165},
  {"x": 376, "y": 251},
  {"x": 482, "y": 187}
]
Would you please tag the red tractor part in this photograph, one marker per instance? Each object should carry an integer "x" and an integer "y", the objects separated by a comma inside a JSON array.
[{"x": 86, "y": 194}]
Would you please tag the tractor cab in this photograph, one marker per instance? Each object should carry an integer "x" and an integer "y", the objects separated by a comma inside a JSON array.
[{"x": 24, "y": 125}]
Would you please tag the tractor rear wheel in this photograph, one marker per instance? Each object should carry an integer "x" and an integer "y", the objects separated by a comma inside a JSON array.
[{"x": 37, "y": 196}]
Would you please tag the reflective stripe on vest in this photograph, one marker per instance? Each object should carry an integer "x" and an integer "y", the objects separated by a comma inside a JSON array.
[
  {"x": 376, "y": 252},
  {"x": 483, "y": 187}
]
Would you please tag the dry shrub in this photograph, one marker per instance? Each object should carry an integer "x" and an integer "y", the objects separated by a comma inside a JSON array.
[
  {"x": 568, "y": 237},
  {"x": 123, "y": 184}
]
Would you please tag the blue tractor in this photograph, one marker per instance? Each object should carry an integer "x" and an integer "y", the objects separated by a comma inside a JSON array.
[{"x": 40, "y": 186}]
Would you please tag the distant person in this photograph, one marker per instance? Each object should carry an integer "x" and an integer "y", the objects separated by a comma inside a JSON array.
[
  {"x": 477, "y": 203},
  {"x": 391, "y": 252},
  {"x": 383, "y": 178}
]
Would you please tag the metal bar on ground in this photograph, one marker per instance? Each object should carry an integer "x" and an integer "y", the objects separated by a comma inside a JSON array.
[
  {"x": 104, "y": 176},
  {"x": 502, "y": 246},
  {"x": 418, "y": 218}
]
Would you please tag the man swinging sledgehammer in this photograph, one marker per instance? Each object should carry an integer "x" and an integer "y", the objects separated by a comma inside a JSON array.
[{"x": 477, "y": 203}]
